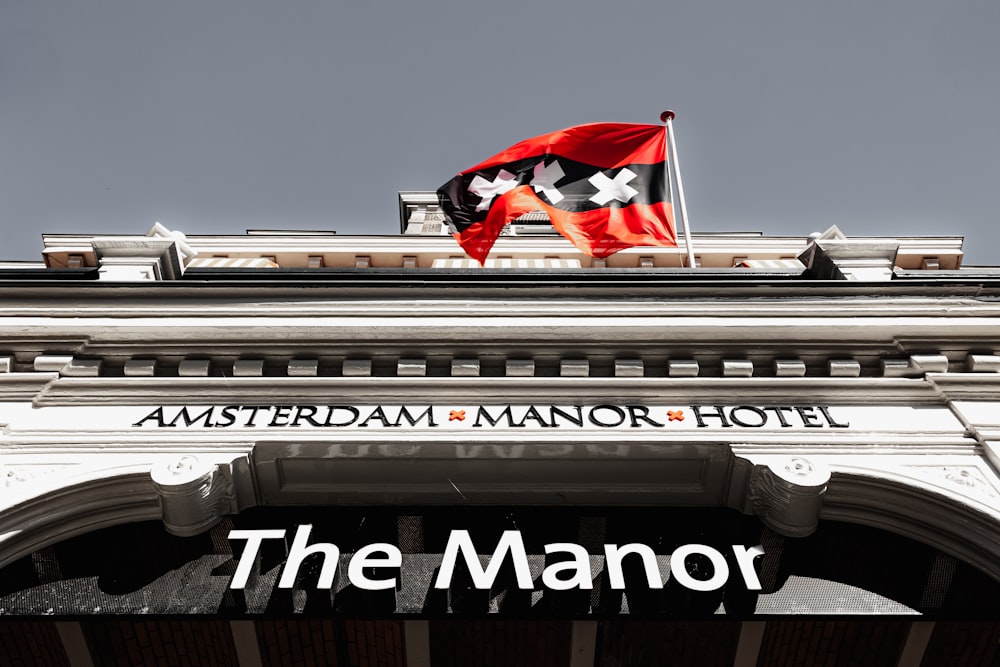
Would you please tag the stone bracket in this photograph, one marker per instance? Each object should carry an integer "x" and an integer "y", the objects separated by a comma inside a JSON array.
[
  {"x": 786, "y": 492},
  {"x": 194, "y": 495},
  {"x": 847, "y": 259},
  {"x": 159, "y": 255}
]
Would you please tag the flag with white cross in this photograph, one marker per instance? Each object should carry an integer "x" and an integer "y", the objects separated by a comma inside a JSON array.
[{"x": 602, "y": 185}]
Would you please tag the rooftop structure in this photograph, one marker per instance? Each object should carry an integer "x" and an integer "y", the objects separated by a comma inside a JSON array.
[{"x": 528, "y": 243}]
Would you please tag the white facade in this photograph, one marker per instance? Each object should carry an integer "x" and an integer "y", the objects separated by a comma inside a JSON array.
[{"x": 798, "y": 380}]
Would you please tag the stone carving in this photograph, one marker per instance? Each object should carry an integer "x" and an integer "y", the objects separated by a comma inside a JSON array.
[
  {"x": 787, "y": 493},
  {"x": 194, "y": 496},
  {"x": 12, "y": 475},
  {"x": 970, "y": 478}
]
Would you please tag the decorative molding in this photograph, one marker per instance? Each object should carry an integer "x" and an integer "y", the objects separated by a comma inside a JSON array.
[
  {"x": 789, "y": 368},
  {"x": 843, "y": 368},
  {"x": 45, "y": 363},
  {"x": 786, "y": 493},
  {"x": 629, "y": 368},
  {"x": 194, "y": 368},
  {"x": 357, "y": 368},
  {"x": 24, "y": 386},
  {"x": 929, "y": 363},
  {"x": 379, "y": 389},
  {"x": 303, "y": 367},
  {"x": 906, "y": 504},
  {"x": 915, "y": 366},
  {"x": 978, "y": 369},
  {"x": 194, "y": 495},
  {"x": 83, "y": 368},
  {"x": 140, "y": 368},
  {"x": 51, "y": 501},
  {"x": 465, "y": 367},
  {"x": 850, "y": 259},
  {"x": 99, "y": 499},
  {"x": 411, "y": 367},
  {"x": 248, "y": 368},
  {"x": 895, "y": 367},
  {"x": 737, "y": 368},
  {"x": 159, "y": 255},
  {"x": 520, "y": 368},
  {"x": 686, "y": 368},
  {"x": 18, "y": 474},
  {"x": 574, "y": 368},
  {"x": 967, "y": 479},
  {"x": 983, "y": 363}
]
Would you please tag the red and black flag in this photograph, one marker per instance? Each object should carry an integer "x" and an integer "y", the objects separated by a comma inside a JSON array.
[{"x": 602, "y": 185}]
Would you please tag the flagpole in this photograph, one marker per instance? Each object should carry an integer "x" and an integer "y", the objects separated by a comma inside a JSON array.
[
  {"x": 668, "y": 117},
  {"x": 668, "y": 168}
]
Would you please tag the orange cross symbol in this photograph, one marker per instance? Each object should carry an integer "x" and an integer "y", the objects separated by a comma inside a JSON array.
[
  {"x": 675, "y": 415},
  {"x": 456, "y": 414}
]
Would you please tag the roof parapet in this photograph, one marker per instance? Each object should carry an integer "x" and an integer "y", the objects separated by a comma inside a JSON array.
[
  {"x": 833, "y": 256},
  {"x": 164, "y": 255},
  {"x": 159, "y": 255}
]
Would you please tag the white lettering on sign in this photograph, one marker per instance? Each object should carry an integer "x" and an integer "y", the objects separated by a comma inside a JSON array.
[{"x": 563, "y": 575}]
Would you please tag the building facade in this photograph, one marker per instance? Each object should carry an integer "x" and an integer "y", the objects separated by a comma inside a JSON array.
[{"x": 302, "y": 434}]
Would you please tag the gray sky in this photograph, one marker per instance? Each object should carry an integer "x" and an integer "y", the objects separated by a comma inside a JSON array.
[{"x": 216, "y": 116}]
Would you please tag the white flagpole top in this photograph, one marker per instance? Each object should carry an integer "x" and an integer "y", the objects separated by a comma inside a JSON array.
[{"x": 667, "y": 115}]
